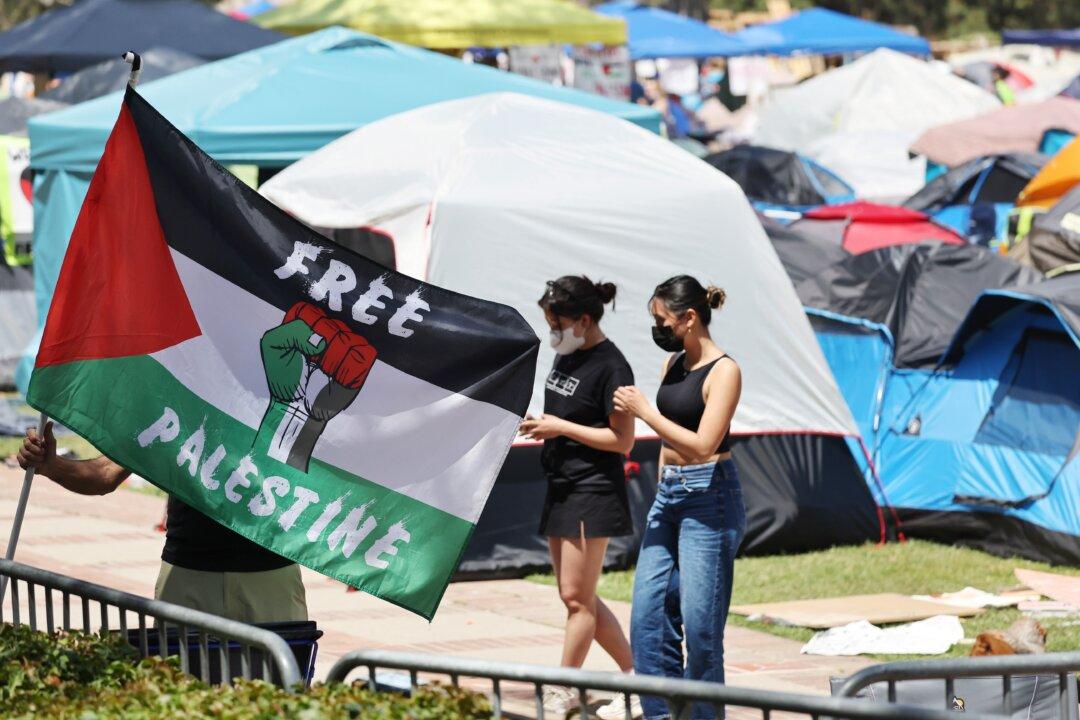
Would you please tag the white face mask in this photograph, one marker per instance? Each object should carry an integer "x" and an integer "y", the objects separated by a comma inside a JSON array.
[{"x": 564, "y": 342}]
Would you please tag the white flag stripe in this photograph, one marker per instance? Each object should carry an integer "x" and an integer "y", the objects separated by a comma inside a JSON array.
[{"x": 401, "y": 432}]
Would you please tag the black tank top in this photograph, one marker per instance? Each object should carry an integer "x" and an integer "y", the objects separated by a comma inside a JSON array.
[{"x": 680, "y": 397}]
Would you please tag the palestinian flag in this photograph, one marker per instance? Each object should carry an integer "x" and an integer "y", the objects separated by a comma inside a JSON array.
[{"x": 331, "y": 410}]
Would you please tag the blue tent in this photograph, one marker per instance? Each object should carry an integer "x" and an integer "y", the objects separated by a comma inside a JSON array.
[
  {"x": 966, "y": 395},
  {"x": 657, "y": 33},
  {"x": 1054, "y": 38},
  {"x": 983, "y": 451},
  {"x": 269, "y": 107},
  {"x": 93, "y": 31},
  {"x": 818, "y": 31}
]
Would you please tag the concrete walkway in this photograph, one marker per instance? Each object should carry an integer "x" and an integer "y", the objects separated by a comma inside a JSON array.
[{"x": 111, "y": 540}]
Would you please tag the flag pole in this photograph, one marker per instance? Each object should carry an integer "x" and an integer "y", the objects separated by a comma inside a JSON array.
[
  {"x": 135, "y": 61},
  {"x": 20, "y": 510}
]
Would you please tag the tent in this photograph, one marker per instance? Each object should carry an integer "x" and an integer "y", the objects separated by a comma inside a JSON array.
[
  {"x": 982, "y": 452},
  {"x": 1072, "y": 90},
  {"x": 778, "y": 179},
  {"x": 860, "y": 119},
  {"x": 92, "y": 31},
  {"x": 1054, "y": 38},
  {"x": 1053, "y": 245},
  {"x": 819, "y": 31},
  {"x": 861, "y": 227},
  {"x": 495, "y": 195},
  {"x": 975, "y": 198},
  {"x": 803, "y": 255},
  {"x": 268, "y": 108},
  {"x": 453, "y": 24},
  {"x": 656, "y": 33},
  {"x": 1013, "y": 129},
  {"x": 18, "y": 321},
  {"x": 981, "y": 72},
  {"x": 15, "y": 112},
  {"x": 112, "y": 75},
  {"x": 1057, "y": 178}
]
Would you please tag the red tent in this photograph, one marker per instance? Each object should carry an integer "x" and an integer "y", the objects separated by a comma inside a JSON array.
[{"x": 863, "y": 226}]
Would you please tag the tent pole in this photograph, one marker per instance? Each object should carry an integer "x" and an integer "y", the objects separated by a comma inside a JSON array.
[{"x": 20, "y": 511}]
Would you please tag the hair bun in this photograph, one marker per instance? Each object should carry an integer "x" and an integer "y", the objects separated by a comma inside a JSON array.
[
  {"x": 716, "y": 296},
  {"x": 606, "y": 291}
]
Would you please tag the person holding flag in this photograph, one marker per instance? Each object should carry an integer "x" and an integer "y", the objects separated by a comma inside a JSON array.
[{"x": 204, "y": 565}]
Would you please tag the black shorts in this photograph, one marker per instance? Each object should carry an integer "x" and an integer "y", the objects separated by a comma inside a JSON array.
[{"x": 594, "y": 512}]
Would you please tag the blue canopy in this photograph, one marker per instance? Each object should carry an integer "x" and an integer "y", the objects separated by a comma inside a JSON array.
[
  {"x": 92, "y": 31},
  {"x": 818, "y": 31},
  {"x": 1054, "y": 38},
  {"x": 268, "y": 107},
  {"x": 656, "y": 33}
]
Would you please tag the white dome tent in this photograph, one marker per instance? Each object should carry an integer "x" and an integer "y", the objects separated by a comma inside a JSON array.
[
  {"x": 859, "y": 120},
  {"x": 496, "y": 194}
]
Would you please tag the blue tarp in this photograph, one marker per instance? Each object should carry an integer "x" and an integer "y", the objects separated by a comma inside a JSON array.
[
  {"x": 1055, "y": 38},
  {"x": 818, "y": 31},
  {"x": 657, "y": 33},
  {"x": 268, "y": 107},
  {"x": 92, "y": 31}
]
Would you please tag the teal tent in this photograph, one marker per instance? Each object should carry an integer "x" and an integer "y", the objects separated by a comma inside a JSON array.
[{"x": 268, "y": 107}]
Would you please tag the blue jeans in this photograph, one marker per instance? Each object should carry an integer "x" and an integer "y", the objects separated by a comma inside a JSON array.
[{"x": 684, "y": 576}]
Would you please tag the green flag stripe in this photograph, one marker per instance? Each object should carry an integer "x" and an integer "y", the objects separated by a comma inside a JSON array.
[{"x": 346, "y": 527}]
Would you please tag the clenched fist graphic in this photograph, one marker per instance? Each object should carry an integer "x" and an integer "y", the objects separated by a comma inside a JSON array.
[{"x": 315, "y": 367}]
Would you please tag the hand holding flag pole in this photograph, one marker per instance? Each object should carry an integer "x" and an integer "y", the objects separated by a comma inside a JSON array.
[{"x": 20, "y": 510}]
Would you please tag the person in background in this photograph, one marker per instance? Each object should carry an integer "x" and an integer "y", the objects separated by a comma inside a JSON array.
[
  {"x": 1001, "y": 87},
  {"x": 585, "y": 442},
  {"x": 682, "y": 586}
]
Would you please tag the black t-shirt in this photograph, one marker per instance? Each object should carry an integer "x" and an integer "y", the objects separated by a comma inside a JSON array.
[
  {"x": 580, "y": 389},
  {"x": 195, "y": 542}
]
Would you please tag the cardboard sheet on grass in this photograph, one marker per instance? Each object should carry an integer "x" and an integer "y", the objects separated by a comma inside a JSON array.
[{"x": 833, "y": 612}]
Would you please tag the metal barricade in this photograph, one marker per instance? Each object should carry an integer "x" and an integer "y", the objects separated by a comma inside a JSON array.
[
  {"x": 259, "y": 648},
  {"x": 1006, "y": 667},
  {"x": 680, "y": 695}
]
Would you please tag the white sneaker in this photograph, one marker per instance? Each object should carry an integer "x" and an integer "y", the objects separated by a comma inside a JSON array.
[
  {"x": 559, "y": 701},
  {"x": 616, "y": 709}
]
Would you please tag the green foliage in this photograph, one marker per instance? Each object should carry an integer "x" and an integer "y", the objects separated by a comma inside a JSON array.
[{"x": 88, "y": 677}]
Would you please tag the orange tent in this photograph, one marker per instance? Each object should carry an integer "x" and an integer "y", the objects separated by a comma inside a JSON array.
[{"x": 1057, "y": 177}]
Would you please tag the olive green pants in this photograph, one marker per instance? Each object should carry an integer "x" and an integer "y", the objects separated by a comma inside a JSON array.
[{"x": 251, "y": 597}]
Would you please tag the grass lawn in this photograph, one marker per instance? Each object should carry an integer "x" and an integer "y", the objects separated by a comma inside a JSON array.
[{"x": 912, "y": 568}]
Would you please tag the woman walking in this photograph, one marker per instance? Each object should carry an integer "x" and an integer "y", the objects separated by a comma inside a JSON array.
[
  {"x": 682, "y": 586},
  {"x": 585, "y": 441}
]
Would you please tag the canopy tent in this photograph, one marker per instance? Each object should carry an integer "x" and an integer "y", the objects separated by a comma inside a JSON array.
[
  {"x": 112, "y": 75},
  {"x": 818, "y": 31},
  {"x": 860, "y": 119},
  {"x": 15, "y": 113},
  {"x": 492, "y": 195},
  {"x": 656, "y": 33},
  {"x": 975, "y": 198},
  {"x": 453, "y": 24},
  {"x": 1053, "y": 245},
  {"x": 860, "y": 227},
  {"x": 1013, "y": 129},
  {"x": 1054, "y": 38},
  {"x": 983, "y": 452},
  {"x": 92, "y": 31},
  {"x": 782, "y": 180},
  {"x": 268, "y": 108},
  {"x": 1057, "y": 178}
]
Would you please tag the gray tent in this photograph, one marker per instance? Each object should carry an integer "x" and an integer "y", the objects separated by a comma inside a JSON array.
[
  {"x": 112, "y": 75},
  {"x": 1054, "y": 243},
  {"x": 14, "y": 113}
]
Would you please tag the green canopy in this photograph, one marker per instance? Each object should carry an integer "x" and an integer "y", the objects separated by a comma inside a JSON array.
[{"x": 453, "y": 23}]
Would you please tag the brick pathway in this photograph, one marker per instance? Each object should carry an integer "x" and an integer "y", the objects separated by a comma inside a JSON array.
[{"x": 111, "y": 540}]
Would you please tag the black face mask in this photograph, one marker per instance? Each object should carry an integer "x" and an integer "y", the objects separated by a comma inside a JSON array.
[{"x": 665, "y": 339}]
